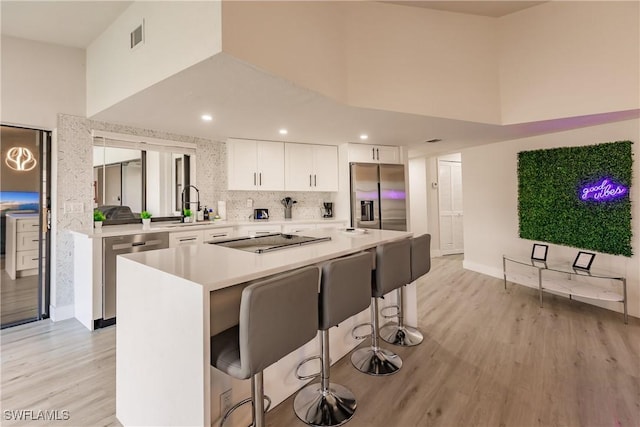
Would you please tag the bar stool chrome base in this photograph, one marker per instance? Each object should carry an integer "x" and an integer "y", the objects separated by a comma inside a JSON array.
[
  {"x": 332, "y": 407},
  {"x": 374, "y": 361},
  {"x": 404, "y": 336}
]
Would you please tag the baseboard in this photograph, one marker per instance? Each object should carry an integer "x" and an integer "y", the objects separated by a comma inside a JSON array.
[
  {"x": 62, "y": 312},
  {"x": 484, "y": 269},
  {"x": 436, "y": 253}
]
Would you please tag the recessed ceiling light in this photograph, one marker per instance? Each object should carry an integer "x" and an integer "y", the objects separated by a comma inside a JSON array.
[
  {"x": 364, "y": 136},
  {"x": 283, "y": 131},
  {"x": 206, "y": 117}
]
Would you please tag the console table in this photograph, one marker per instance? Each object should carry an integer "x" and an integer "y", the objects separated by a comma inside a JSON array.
[{"x": 566, "y": 280}]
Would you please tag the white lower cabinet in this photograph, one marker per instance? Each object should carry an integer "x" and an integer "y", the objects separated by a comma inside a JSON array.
[
  {"x": 256, "y": 230},
  {"x": 185, "y": 238},
  {"x": 297, "y": 228},
  {"x": 217, "y": 233},
  {"x": 22, "y": 239}
]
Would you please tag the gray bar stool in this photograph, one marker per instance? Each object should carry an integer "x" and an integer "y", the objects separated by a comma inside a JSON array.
[
  {"x": 345, "y": 290},
  {"x": 399, "y": 333},
  {"x": 393, "y": 270},
  {"x": 277, "y": 316}
]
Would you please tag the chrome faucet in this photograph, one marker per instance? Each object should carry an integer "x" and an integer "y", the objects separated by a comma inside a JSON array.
[{"x": 184, "y": 204}]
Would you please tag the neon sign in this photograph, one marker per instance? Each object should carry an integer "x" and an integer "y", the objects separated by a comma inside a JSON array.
[
  {"x": 20, "y": 159},
  {"x": 603, "y": 191}
]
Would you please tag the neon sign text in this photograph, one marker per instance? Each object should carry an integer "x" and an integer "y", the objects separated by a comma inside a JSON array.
[{"x": 603, "y": 191}]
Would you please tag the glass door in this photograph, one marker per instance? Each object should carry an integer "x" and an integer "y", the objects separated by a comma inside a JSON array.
[{"x": 25, "y": 200}]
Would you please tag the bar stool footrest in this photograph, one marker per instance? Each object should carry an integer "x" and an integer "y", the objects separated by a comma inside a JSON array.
[
  {"x": 302, "y": 362},
  {"x": 239, "y": 404},
  {"x": 361, "y": 337},
  {"x": 389, "y": 307}
]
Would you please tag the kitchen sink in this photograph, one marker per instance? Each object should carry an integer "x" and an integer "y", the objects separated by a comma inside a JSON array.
[{"x": 269, "y": 242}]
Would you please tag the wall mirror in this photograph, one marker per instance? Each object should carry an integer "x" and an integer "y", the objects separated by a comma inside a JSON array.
[{"x": 132, "y": 174}]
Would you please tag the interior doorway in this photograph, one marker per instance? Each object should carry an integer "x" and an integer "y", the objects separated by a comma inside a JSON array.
[
  {"x": 25, "y": 200},
  {"x": 450, "y": 204}
]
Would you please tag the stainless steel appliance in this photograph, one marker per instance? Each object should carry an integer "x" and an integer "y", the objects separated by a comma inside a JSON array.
[
  {"x": 327, "y": 210},
  {"x": 261, "y": 213},
  {"x": 378, "y": 196},
  {"x": 269, "y": 242},
  {"x": 111, "y": 248}
]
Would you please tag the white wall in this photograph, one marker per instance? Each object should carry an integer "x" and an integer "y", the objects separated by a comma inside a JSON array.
[
  {"x": 40, "y": 80},
  {"x": 373, "y": 55},
  {"x": 177, "y": 36},
  {"x": 490, "y": 189},
  {"x": 417, "y": 171},
  {"x": 569, "y": 58}
]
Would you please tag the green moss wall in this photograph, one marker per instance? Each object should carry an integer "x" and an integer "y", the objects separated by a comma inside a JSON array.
[{"x": 550, "y": 207}]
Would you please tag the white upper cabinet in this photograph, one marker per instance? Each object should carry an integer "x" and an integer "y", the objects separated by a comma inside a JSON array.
[
  {"x": 255, "y": 165},
  {"x": 311, "y": 167},
  {"x": 362, "y": 153}
]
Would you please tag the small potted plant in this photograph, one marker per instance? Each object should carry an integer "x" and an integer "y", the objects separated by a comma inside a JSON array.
[
  {"x": 146, "y": 220},
  {"x": 187, "y": 215},
  {"x": 98, "y": 217}
]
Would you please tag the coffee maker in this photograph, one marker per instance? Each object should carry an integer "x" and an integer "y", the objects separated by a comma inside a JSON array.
[{"x": 327, "y": 210}]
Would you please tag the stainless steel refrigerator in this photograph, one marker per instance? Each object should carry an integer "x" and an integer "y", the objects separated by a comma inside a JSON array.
[{"x": 378, "y": 196}]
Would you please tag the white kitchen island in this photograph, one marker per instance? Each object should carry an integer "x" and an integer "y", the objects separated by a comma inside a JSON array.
[{"x": 171, "y": 301}]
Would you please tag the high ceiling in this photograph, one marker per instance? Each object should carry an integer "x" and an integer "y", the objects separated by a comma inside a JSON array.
[{"x": 247, "y": 102}]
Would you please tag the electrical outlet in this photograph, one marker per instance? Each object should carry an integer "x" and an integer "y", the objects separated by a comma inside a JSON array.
[
  {"x": 249, "y": 203},
  {"x": 225, "y": 402}
]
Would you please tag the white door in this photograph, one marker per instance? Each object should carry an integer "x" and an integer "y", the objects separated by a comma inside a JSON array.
[
  {"x": 299, "y": 167},
  {"x": 325, "y": 177},
  {"x": 270, "y": 166},
  {"x": 242, "y": 165},
  {"x": 450, "y": 203}
]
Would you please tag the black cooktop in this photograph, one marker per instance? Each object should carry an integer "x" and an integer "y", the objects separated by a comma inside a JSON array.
[{"x": 269, "y": 242}]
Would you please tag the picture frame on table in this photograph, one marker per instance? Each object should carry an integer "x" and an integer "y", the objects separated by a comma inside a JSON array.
[
  {"x": 539, "y": 252},
  {"x": 583, "y": 260}
]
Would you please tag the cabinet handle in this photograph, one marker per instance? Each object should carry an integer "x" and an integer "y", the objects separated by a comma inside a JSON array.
[
  {"x": 35, "y": 240},
  {"x": 264, "y": 232},
  {"x": 310, "y": 181},
  {"x": 378, "y": 153},
  {"x": 254, "y": 178},
  {"x": 34, "y": 259},
  {"x": 260, "y": 178},
  {"x": 315, "y": 180},
  {"x": 219, "y": 235},
  {"x": 373, "y": 153},
  {"x": 188, "y": 239}
]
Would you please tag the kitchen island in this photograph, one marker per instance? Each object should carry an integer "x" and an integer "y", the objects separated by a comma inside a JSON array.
[{"x": 171, "y": 301}]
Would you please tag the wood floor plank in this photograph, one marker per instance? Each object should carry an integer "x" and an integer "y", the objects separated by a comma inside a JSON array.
[{"x": 490, "y": 357}]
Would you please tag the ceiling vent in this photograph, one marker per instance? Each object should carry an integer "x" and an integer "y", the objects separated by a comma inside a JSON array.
[
  {"x": 433, "y": 141},
  {"x": 137, "y": 36}
]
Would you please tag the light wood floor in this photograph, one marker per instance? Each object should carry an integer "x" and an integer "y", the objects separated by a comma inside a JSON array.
[
  {"x": 490, "y": 358},
  {"x": 18, "y": 298}
]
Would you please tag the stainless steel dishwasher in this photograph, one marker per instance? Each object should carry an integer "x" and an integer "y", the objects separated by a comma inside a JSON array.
[{"x": 111, "y": 248}]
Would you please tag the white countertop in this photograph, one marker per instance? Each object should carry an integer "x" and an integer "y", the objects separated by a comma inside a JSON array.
[
  {"x": 216, "y": 267},
  {"x": 127, "y": 229},
  {"x": 23, "y": 215}
]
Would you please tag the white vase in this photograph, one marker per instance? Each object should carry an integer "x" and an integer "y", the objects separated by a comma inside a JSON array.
[
  {"x": 146, "y": 223},
  {"x": 98, "y": 226}
]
